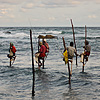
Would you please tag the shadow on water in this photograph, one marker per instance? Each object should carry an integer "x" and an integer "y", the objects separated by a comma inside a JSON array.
[
  {"x": 70, "y": 95},
  {"x": 78, "y": 82},
  {"x": 42, "y": 84},
  {"x": 14, "y": 82},
  {"x": 85, "y": 75}
]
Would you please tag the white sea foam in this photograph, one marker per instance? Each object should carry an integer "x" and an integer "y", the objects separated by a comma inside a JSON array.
[{"x": 19, "y": 35}]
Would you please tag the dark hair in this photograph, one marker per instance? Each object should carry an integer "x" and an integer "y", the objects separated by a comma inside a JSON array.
[
  {"x": 11, "y": 43},
  {"x": 87, "y": 42},
  {"x": 71, "y": 43}
]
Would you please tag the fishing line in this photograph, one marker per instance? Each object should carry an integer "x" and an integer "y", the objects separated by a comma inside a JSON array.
[
  {"x": 61, "y": 51},
  {"x": 30, "y": 23},
  {"x": 34, "y": 37}
]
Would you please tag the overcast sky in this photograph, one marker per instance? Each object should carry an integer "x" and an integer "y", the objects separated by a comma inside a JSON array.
[{"x": 49, "y": 13}]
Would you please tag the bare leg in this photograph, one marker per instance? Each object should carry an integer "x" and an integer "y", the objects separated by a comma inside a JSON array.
[
  {"x": 71, "y": 66},
  {"x": 39, "y": 63},
  {"x": 39, "y": 67},
  {"x": 82, "y": 57},
  {"x": 14, "y": 57}
]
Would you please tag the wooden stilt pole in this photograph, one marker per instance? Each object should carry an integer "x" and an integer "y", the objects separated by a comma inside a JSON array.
[
  {"x": 43, "y": 57},
  {"x": 84, "y": 48},
  {"x": 74, "y": 39},
  {"x": 33, "y": 92},
  {"x": 85, "y": 35},
  {"x": 43, "y": 63},
  {"x": 38, "y": 50},
  {"x": 38, "y": 44},
  {"x": 69, "y": 73},
  {"x": 68, "y": 62},
  {"x": 10, "y": 62},
  {"x": 83, "y": 66}
]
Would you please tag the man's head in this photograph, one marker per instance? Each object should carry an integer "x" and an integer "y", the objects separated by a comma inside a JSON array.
[
  {"x": 71, "y": 44},
  {"x": 87, "y": 42},
  {"x": 11, "y": 44},
  {"x": 40, "y": 43},
  {"x": 44, "y": 40}
]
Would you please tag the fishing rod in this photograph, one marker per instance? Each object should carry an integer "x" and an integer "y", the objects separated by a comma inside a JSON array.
[
  {"x": 74, "y": 39},
  {"x": 85, "y": 36},
  {"x": 34, "y": 35}
]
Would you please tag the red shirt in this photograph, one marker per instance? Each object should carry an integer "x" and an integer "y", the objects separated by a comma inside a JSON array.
[
  {"x": 42, "y": 51},
  {"x": 13, "y": 49}
]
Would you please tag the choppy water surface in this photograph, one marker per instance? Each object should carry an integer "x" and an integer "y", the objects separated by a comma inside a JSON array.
[{"x": 52, "y": 82}]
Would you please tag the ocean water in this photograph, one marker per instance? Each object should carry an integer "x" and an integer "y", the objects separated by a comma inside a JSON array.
[{"x": 52, "y": 82}]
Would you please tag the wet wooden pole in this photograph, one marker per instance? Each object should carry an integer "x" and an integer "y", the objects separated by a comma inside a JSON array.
[
  {"x": 84, "y": 48},
  {"x": 38, "y": 44},
  {"x": 43, "y": 57},
  {"x": 33, "y": 92},
  {"x": 43, "y": 62},
  {"x": 38, "y": 50},
  {"x": 69, "y": 73},
  {"x": 10, "y": 62},
  {"x": 83, "y": 66},
  {"x": 74, "y": 39},
  {"x": 68, "y": 61}
]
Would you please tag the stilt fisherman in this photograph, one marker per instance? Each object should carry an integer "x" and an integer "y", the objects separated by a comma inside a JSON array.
[
  {"x": 87, "y": 49},
  {"x": 12, "y": 51},
  {"x": 68, "y": 56}
]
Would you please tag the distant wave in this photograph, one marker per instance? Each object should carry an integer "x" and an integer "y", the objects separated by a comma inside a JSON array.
[
  {"x": 19, "y": 35},
  {"x": 63, "y": 32}
]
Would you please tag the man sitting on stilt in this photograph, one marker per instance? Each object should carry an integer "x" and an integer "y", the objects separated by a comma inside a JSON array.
[
  {"x": 12, "y": 51},
  {"x": 42, "y": 54},
  {"x": 87, "y": 49},
  {"x": 70, "y": 51}
]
